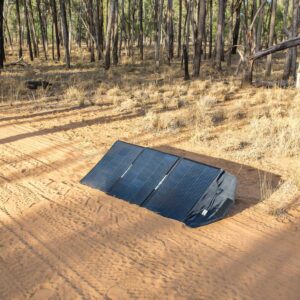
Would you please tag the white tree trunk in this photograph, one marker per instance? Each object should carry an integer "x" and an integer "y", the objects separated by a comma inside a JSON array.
[{"x": 298, "y": 78}]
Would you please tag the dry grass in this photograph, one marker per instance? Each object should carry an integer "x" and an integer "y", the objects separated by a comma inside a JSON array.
[{"x": 249, "y": 125}]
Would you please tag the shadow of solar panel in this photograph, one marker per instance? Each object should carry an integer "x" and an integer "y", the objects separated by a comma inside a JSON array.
[
  {"x": 182, "y": 189},
  {"x": 113, "y": 164},
  {"x": 143, "y": 176}
]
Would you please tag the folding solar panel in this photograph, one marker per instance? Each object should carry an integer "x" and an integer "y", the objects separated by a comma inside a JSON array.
[
  {"x": 136, "y": 184},
  {"x": 113, "y": 164},
  {"x": 172, "y": 186},
  {"x": 182, "y": 189}
]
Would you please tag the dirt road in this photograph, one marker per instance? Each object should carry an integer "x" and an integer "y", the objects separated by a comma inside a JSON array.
[{"x": 62, "y": 240}]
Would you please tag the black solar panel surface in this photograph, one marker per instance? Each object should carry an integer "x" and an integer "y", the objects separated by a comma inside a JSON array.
[
  {"x": 113, "y": 164},
  {"x": 145, "y": 174},
  {"x": 182, "y": 189}
]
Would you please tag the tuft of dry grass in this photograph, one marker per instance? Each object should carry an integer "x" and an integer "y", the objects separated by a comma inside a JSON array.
[
  {"x": 266, "y": 186},
  {"x": 279, "y": 135},
  {"x": 75, "y": 94}
]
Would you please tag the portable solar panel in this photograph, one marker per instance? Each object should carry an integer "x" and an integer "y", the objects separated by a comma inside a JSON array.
[
  {"x": 136, "y": 184},
  {"x": 182, "y": 189},
  {"x": 113, "y": 164},
  {"x": 174, "y": 187}
]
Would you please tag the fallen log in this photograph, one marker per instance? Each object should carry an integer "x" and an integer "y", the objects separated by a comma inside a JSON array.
[
  {"x": 35, "y": 84},
  {"x": 19, "y": 62},
  {"x": 293, "y": 42}
]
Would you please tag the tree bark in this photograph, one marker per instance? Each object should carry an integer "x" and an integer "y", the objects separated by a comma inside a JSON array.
[
  {"x": 32, "y": 28},
  {"x": 108, "y": 34},
  {"x": 98, "y": 28},
  {"x": 187, "y": 40},
  {"x": 19, "y": 28},
  {"x": 210, "y": 43},
  {"x": 271, "y": 37},
  {"x": 42, "y": 28},
  {"x": 186, "y": 63},
  {"x": 115, "y": 35},
  {"x": 2, "y": 53},
  {"x": 141, "y": 30},
  {"x": 230, "y": 33},
  {"x": 170, "y": 31},
  {"x": 236, "y": 30},
  {"x": 220, "y": 33},
  {"x": 55, "y": 23},
  {"x": 295, "y": 26},
  {"x": 65, "y": 32},
  {"x": 179, "y": 29},
  {"x": 293, "y": 42},
  {"x": 28, "y": 30},
  {"x": 199, "y": 38},
  {"x": 260, "y": 27},
  {"x": 91, "y": 29},
  {"x": 123, "y": 27},
  {"x": 157, "y": 32}
]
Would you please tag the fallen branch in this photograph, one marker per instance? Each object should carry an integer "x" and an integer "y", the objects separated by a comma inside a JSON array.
[
  {"x": 293, "y": 42},
  {"x": 19, "y": 62}
]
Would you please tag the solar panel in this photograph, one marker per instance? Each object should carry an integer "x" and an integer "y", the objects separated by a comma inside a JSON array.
[
  {"x": 174, "y": 187},
  {"x": 113, "y": 164},
  {"x": 182, "y": 189},
  {"x": 136, "y": 184}
]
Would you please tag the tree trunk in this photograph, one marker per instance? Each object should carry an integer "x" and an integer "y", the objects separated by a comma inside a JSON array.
[
  {"x": 70, "y": 26},
  {"x": 141, "y": 30},
  {"x": 19, "y": 28},
  {"x": 260, "y": 27},
  {"x": 199, "y": 38},
  {"x": 123, "y": 27},
  {"x": 295, "y": 26},
  {"x": 186, "y": 63},
  {"x": 108, "y": 34},
  {"x": 170, "y": 31},
  {"x": 179, "y": 29},
  {"x": 2, "y": 54},
  {"x": 230, "y": 33},
  {"x": 99, "y": 27},
  {"x": 133, "y": 36},
  {"x": 220, "y": 33},
  {"x": 236, "y": 30},
  {"x": 187, "y": 40},
  {"x": 42, "y": 27},
  {"x": 156, "y": 29},
  {"x": 271, "y": 37},
  {"x": 91, "y": 29},
  {"x": 55, "y": 23},
  {"x": 28, "y": 30},
  {"x": 65, "y": 32},
  {"x": 115, "y": 34},
  {"x": 298, "y": 78},
  {"x": 32, "y": 28},
  {"x": 289, "y": 53},
  {"x": 210, "y": 29}
]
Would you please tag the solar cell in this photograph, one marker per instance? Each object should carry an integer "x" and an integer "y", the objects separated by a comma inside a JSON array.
[
  {"x": 182, "y": 189},
  {"x": 143, "y": 176},
  {"x": 113, "y": 164}
]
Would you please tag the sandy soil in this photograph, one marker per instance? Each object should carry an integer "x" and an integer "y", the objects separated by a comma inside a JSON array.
[{"x": 62, "y": 240}]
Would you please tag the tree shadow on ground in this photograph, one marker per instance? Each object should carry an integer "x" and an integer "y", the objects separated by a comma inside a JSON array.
[{"x": 251, "y": 181}]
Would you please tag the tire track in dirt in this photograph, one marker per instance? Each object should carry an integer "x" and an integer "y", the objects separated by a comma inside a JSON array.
[{"x": 97, "y": 246}]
